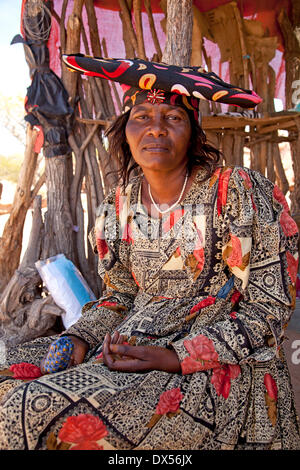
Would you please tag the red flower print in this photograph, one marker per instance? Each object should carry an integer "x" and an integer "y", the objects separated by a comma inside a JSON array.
[
  {"x": 279, "y": 196},
  {"x": 288, "y": 224},
  {"x": 223, "y": 189},
  {"x": 127, "y": 234},
  {"x": 202, "y": 355},
  {"x": 253, "y": 203},
  {"x": 178, "y": 251},
  {"x": 221, "y": 381},
  {"x": 107, "y": 304},
  {"x": 169, "y": 401},
  {"x": 25, "y": 371},
  {"x": 118, "y": 201},
  {"x": 233, "y": 315},
  {"x": 83, "y": 430},
  {"x": 222, "y": 376},
  {"x": 292, "y": 266},
  {"x": 236, "y": 257},
  {"x": 172, "y": 219},
  {"x": 199, "y": 251},
  {"x": 199, "y": 255},
  {"x": 136, "y": 281},
  {"x": 236, "y": 297},
  {"x": 271, "y": 386},
  {"x": 102, "y": 246},
  {"x": 246, "y": 178},
  {"x": 204, "y": 303}
]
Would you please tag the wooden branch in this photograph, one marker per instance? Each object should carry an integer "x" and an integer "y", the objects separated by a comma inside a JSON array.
[
  {"x": 33, "y": 250},
  {"x": 239, "y": 23},
  {"x": 129, "y": 50},
  {"x": 11, "y": 240},
  {"x": 113, "y": 85},
  {"x": 147, "y": 4},
  {"x": 137, "y": 11},
  {"x": 128, "y": 23},
  {"x": 93, "y": 28},
  {"x": 39, "y": 184},
  {"x": 101, "y": 122},
  {"x": 90, "y": 135},
  {"x": 61, "y": 23},
  {"x": 72, "y": 47}
]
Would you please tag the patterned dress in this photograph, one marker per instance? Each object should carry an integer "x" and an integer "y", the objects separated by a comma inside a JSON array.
[{"x": 215, "y": 281}]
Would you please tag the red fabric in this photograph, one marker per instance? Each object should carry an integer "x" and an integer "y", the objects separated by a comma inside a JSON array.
[
  {"x": 25, "y": 371},
  {"x": 83, "y": 430}
]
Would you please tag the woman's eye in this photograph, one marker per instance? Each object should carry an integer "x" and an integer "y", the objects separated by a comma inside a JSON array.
[{"x": 173, "y": 117}]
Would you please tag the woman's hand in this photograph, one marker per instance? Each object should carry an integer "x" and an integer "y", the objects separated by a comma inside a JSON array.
[
  {"x": 78, "y": 354},
  {"x": 79, "y": 351},
  {"x": 126, "y": 358}
]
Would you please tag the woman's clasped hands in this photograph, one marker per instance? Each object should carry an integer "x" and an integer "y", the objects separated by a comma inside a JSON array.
[{"x": 122, "y": 357}]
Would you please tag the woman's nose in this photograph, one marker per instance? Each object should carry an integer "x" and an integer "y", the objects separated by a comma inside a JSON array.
[{"x": 157, "y": 127}]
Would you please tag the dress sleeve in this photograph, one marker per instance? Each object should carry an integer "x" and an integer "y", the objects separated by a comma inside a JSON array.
[
  {"x": 259, "y": 249},
  {"x": 108, "y": 312}
]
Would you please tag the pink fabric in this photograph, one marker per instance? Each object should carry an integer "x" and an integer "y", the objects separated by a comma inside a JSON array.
[{"x": 109, "y": 20}]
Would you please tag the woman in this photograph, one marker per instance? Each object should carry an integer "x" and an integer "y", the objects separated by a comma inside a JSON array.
[{"x": 184, "y": 350}]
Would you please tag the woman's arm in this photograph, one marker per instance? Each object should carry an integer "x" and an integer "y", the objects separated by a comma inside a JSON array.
[{"x": 260, "y": 249}]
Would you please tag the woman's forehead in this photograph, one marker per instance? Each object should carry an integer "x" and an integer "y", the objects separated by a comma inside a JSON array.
[{"x": 162, "y": 107}]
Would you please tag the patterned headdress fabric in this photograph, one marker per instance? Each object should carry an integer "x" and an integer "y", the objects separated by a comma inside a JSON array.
[{"x": 162, "y": 83}]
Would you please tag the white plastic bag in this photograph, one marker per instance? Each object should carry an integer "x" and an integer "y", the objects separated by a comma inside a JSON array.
[{"x": 66, "y": 285}]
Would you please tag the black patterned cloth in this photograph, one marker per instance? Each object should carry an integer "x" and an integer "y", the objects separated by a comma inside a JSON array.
[
  {"x": 215, "y": 281},
  {"x": 142, "y": 81}
]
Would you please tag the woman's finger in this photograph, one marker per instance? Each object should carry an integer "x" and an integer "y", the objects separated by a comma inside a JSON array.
[{"x": 136, "y": 352}]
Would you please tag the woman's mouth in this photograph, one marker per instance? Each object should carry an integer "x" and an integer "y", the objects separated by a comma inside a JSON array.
[{"x": 154, "y": 148}]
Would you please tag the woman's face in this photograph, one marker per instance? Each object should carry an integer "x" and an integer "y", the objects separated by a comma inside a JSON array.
[{"x": 158, "y": 136}]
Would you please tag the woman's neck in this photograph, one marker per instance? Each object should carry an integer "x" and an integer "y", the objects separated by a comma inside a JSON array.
[{"x": 165, "y": 187}]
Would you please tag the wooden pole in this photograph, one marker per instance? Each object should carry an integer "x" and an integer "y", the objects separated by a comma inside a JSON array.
[
  {"x": 11, "y": 240},
  {"x": 178, "y": 46},
  {"x": 72, "y": 47},
  {"x": 137, "y": 4}
]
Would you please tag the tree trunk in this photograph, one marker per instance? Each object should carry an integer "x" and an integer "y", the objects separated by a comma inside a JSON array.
[
  {"x": 59, "y": 233},
  {"x": 25, "y": 312},
  {"x": 178, "y": 46},
  {"x": 11, "y": 240}
]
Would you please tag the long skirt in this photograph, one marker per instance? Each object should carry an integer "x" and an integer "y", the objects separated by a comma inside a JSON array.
[{"x": 193, "y": 416}]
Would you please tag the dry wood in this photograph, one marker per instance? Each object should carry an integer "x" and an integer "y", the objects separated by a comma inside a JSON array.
[
  {"x": 11, "y": 240},
  {"x": 271, "y": 175},
  {"x": 58, "y": 221},
  {"x": 137, "y": 11},
  {"x": 63, "y": 33},
  {"x": 25, "y": 313},
  {"x": 279, "y": 170},
  {"x": 179, "y": 32},
  {"x": 72, "y": 47},
  {"x": 129, "y": 49},
  {"x": 147, "y": 4},
  {"x": 239, "y": 22},
  {"x": 128, "y": 24},
  {"x": 113, "y": 85}
]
